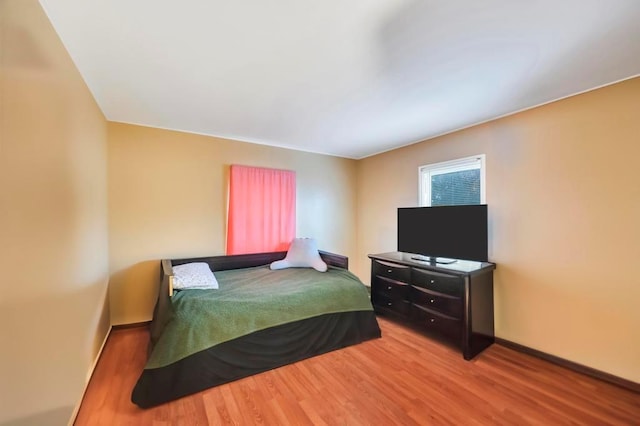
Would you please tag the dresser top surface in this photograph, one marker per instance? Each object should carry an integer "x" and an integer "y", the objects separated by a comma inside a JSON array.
[{"x": 458, "y": 266}]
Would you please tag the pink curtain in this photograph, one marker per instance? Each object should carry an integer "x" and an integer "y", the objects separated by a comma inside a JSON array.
[{"x": 262, "y": 210}]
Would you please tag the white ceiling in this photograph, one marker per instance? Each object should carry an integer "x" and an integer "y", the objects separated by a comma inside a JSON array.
[{"x": 346, "y": 78}]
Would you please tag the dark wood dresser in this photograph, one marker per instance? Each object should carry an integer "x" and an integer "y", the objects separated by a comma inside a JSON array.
[{"x": 452, "y": 301}]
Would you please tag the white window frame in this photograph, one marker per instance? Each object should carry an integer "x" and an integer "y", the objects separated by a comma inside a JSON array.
[{"x": 427, "y": 171}]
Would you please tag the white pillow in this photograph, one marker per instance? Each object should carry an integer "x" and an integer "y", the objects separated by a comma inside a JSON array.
[
  {"x": 196, "y": 275},
  {"x": 303, "y": 253}
]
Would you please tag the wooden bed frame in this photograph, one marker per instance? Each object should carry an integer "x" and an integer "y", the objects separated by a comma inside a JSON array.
[{"x": 222, "y": 263}]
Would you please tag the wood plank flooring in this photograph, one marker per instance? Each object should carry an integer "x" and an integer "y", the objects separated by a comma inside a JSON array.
[{"x": 404, "y": 378}]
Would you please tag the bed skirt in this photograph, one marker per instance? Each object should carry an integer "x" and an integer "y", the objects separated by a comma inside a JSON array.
[{"x": 254, "y": 353}]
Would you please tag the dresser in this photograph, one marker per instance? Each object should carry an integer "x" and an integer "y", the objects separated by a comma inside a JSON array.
[{"x": 452, "y": 301}]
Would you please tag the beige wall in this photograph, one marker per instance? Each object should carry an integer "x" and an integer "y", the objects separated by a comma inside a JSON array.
[
  {"x": 53, "y": 222},
  {"x": 168, "y": 195},
  {"x": 563, "y": 189}
]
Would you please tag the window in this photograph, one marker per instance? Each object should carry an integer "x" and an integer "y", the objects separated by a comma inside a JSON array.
[
  {"x": 262, "y": 210},
  {"x": 453, "y": 182}
]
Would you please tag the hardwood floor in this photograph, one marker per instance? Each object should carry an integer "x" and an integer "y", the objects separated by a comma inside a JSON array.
[{"x": 403, "y": 378}]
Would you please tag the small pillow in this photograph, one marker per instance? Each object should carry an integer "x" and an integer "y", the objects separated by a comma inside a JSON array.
[
  {"x": 303, "y": 253},
  {"x": 196, "y": 275}
]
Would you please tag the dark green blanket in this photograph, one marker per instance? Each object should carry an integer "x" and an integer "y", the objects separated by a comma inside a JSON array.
[{"x": 253, "y": 299}]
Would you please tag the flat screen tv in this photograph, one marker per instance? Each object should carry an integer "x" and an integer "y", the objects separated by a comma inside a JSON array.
[{"x": 448, "y": 232}]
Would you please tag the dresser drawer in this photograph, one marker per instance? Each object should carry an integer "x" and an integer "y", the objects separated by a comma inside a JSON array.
[
  {"x": 390, "y": 288},
  {"x": 391, "y": 271},
  {"x": 401, "y": 307},
  {"x": 447, "y": 304},
  {"x": 441, "y": 283},
  {"x": 441, "y": 324}
]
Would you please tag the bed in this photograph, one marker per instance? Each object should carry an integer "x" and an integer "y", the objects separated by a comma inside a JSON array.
[{"x": 258, "y": 319}]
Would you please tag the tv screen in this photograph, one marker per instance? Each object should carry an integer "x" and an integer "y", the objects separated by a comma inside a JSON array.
[{"x": 456, "y": 232}]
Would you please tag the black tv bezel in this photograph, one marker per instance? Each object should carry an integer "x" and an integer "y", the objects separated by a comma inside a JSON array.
[{"x": 474, "y": 243}]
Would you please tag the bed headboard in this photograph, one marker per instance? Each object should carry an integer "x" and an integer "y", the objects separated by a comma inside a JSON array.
[{"x": 238, "y": 261}]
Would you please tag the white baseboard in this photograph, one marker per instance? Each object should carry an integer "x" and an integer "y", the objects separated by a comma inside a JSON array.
[{"x": 76, "y": 409}]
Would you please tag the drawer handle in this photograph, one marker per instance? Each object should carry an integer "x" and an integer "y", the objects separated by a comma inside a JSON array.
[
  {"x": 389, "y": 288},
  {"x": 388, "y": 303},
  {"x": 432, "y": 281},
  {"x": 389, "y": 270},
  {"x": 432, "y": 320},
  {"x": 430, "y": 300}
]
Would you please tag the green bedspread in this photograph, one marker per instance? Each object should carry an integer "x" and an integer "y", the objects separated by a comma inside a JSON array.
[{"x": 249, "y": 300}]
